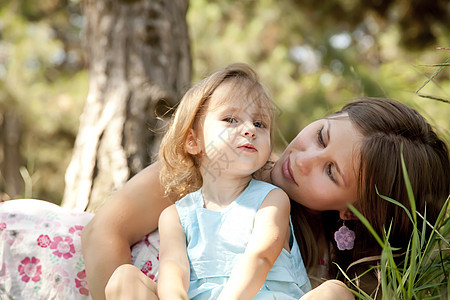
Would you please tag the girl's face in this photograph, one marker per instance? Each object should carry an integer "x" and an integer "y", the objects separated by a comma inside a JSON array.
[
  {"x": 319, "y": 167},
  {"x": 235, "y": 134}
]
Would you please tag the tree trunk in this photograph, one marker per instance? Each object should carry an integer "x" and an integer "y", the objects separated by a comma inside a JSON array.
[
  {"x": 140, "y": 62},
  {"x": 11, "y": 182}
]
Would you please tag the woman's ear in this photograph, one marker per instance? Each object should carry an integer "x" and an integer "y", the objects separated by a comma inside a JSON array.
[
  {"x": 346, "y": 214},
  {"x": 192, "y": 144}
]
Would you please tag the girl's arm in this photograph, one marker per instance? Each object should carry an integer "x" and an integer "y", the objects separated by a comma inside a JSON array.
[
  {"x": 131, "y": 213},
  {"x": 270, "y": 234},
  {"x": 330, "y": 290},
  {"x": 174, "y": 272}
]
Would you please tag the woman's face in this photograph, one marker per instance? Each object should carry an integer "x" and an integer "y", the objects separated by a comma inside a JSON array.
[{"x": 319, "y": 167}]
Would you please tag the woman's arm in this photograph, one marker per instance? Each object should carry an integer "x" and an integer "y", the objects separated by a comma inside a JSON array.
[
  {"x": 268, "y": 237},
  {"x": 127, "y": 216},
  {"x": 173, "y": 281}
]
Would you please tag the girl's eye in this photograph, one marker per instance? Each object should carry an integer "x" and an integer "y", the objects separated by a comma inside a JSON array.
[
  {"x": 259, "y": 124},
  {"x": 320, "y": 137},
  {"x": 230, "y": 120}
]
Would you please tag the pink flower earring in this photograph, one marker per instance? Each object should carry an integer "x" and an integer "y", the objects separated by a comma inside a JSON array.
[{"x": 345, "y": 238}]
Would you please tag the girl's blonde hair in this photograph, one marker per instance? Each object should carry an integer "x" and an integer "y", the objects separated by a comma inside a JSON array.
[{"x": 180, "y": 172}]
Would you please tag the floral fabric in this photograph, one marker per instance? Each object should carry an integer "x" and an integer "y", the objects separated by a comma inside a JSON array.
[{"x": 40, "y": 252}]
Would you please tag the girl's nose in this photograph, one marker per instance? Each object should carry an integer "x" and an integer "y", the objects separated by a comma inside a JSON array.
[{"x": 248, "y": 131}]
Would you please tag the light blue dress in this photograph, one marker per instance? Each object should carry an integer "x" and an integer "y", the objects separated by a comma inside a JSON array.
[{"x": 216, "y": 240}]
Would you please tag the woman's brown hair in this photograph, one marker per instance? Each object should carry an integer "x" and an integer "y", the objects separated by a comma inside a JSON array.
[{"x": 390, "y": 129}]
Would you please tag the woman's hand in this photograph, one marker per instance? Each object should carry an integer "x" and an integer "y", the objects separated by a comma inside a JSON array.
[{"x": 131, "y": 213}]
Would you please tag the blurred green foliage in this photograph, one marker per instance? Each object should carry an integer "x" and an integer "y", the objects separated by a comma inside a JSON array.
[
  {"x": 313, "y": 57},
  {"x": 44, "y": 80}
]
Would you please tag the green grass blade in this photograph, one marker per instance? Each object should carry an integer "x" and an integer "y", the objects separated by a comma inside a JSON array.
[
  {"x": 434, "y": 98},
  {"x": 424, "y": 228},
  {"x": 448, "y": 286},
  {"x": 412, "y": 200},
  {"x": 423, "y": 273},
  {"x": 446, "y": 64},
  {"x": 396, "y": 203},
  {"x": 367, "y": 224},
  {"x": 359, "y": 293},
  {"x": 432, "y": 76}
]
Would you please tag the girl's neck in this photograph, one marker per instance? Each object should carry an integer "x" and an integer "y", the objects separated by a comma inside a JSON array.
[{"x": 221, "y": 192}]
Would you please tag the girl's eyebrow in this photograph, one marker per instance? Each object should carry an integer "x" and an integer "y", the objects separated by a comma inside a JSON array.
[
  {"x": 227, "y": 108},
  {"x": 328, "y": 133}
]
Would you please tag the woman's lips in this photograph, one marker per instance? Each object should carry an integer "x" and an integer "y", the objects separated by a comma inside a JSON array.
[{"x": 287, "y": 172}]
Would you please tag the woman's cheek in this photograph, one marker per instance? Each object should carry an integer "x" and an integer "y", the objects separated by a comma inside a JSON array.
[{"x": 317, "y": 195}]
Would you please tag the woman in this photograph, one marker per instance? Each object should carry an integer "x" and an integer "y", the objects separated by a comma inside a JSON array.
[{"x": 333, "y": 162}]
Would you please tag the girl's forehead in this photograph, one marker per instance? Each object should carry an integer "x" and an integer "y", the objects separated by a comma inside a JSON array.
[
  {"x": 241, "y": 107},
  {"x": 240, "y": 97}
]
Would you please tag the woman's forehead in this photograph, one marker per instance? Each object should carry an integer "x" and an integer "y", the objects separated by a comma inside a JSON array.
[
  {"x": 347, "y": 140},
  {"x": 338, "y": 116}
]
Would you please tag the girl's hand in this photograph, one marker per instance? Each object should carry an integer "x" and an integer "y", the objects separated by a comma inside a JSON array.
[
  {"x": 174, "y": 271},
  {"x": 128, "y": 282},
  {"x": 270, "y": 234}
]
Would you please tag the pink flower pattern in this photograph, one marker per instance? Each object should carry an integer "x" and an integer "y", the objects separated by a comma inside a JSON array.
[
  {"x": 43, "y": 241},
  {"x": 60, "y": 279},
  {"x": 13, "y": 217},
  {"x": 41, "y": 250},
  {"x": 47, "y": 224},
  {"x": 146, "y": 241},
  {"x": 76, "y": 230},
  {"x": 64, "y": 247},
  {"x": 147, "y": 268},
  {"x": 81, "y": 283},
  {"x": 12, "y": 237},
  {"x": 30, "y": 269}
]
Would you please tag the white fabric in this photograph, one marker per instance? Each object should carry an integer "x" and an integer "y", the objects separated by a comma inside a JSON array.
[{"x": 40, "y": 252}]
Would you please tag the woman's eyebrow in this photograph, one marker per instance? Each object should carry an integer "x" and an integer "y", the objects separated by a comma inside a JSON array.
[{"x": 328, "y": 133}]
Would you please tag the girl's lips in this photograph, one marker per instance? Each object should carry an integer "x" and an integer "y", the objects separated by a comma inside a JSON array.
[
  {"x": 287, "y": 172},
  {"x": 248, "y": 148}
]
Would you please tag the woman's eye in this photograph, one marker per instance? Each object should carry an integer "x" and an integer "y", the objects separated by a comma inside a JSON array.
[
  {"x": 320, "y": 137},
  {"x": 330, "y": 172},
  {"x": 259, "y": 124}
]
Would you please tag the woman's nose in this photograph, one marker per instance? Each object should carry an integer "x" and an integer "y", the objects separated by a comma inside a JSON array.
[{"x": 304, "y": 162}]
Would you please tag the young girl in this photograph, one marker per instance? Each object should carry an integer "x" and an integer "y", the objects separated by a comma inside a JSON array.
[{"x": 229, "y": 236}]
